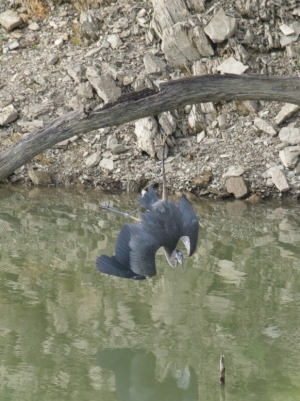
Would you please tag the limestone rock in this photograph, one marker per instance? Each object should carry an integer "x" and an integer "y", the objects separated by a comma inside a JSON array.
[
  {"x": 39, "y": 177},
  {"x": 290, "y": 135},
  {"x": 286, "y": 30},
  {"x": 200, "y": 41},
  {"x": 232, "y": 66},
  {"x": 168, "y": 13},
  {"x": 111, "y": 141},
  {"x": 280, "y": 180},
  {"x": 221, "y": 27},
  {"x": 287, "y": 40},
  {"x": 268, "y": 173},
  {"x": 114, "y": 40},
  {"x": 145, "y": 131},
  {"x": 89, "y": 25},
  {"x": 234, "y": 171},
  {"x": 105, "y": 87},
  {"x": 196, "y": 120},
  {"x": 168, "y": 122},
  {"x": 8, "y": 114},
  {"x": 200, "y": 136},
  {"x": 296, "y": 11},
  {"x": 77, "y": 72},
  {"x": 118, "y": 148},
  {"x": 13, "y": 45},
  {"x": 222, "y": 121},
  {"x": 93, "y": 160},
  {"x": 286, "y": 111},
  {"x": 154, "y": 65},
  {"x": 237, "y": 186},
  {"x": 62, "y": 145},
  {"x": 289, "y": 156},
  {"x": 10, "y": 20},
  {"x": 108, "y": 164},
  {"x": 34, "y": 26},
  {"x": 85, "y": 90},
  {"x": 177, "y": 46},
  {"x": 264, "y": 126}
]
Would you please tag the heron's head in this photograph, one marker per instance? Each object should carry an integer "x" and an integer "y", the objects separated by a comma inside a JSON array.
[
  {"x": 179, "y": 258},
  {"x": 174, "y": 257}
]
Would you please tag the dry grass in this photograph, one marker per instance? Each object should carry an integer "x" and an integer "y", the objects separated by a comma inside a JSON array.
[
  {"x": 40, "y": 9},
  {"x": 37, "y": 8}
]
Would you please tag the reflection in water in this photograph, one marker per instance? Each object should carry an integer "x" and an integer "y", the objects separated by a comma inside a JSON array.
[
  {"x": 239, "y": 296},
  {"x": 135, "y": 379}
]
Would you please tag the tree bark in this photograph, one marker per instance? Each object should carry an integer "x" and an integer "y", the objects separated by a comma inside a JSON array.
[{"x": 135, "y": 105}]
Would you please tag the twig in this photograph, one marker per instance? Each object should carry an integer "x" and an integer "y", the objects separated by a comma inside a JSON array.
[
  {"x": 222, "y": 369},
  {"x": 110, "y": 209}
]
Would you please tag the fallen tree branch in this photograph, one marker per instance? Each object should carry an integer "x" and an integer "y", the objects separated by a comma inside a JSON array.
[{"x": 135, "y": 105}]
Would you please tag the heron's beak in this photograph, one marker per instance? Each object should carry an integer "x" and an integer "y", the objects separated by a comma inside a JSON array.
[{"x": 180, "y": 259}]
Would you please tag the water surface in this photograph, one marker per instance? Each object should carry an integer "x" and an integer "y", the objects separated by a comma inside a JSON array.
[{"x": 68, "y": 332}]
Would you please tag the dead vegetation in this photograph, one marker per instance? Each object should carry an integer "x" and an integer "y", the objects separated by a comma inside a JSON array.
[{"x": 40, "y": 9}]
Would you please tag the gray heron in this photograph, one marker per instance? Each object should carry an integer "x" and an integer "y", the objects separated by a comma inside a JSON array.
[{"x": 163, "y": 224}]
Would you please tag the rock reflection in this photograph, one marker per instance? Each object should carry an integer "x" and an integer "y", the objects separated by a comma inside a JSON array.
[{"x": 135, "y": 378}]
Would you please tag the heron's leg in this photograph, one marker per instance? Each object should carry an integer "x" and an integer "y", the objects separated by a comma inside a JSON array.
[{"x": 111, "y": 209}]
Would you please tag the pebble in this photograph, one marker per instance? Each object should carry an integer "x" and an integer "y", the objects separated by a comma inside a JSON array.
[
  {"x": 221, "y": 27},
  {"x": 290, "y": 135},
  {"x": 238, "y": 186},
  {"x": 232, "y": 66},
  {"x": 234, "y": 171},
  {"x": 10, "y": 20},
  {"x": 286, "y": 112},
  {"x": 264, "y": 126},
  {"x": 280, "y": 180},
  {"x": 93, "y": 160}
]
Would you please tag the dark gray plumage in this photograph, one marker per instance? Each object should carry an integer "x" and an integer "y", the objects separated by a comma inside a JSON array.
[
  {"x": 181, "y": 219},
  {"x": 162, "y": 225},
  {"x": 134, "y": 255}
]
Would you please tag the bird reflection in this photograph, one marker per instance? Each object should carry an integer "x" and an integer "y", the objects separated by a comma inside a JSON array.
[
  {"x": 135, "y": 379},
  {"x": 162, "y": 225}
]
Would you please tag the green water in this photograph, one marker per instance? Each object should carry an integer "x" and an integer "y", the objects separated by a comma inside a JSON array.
[{"x": 68, "y": 332}]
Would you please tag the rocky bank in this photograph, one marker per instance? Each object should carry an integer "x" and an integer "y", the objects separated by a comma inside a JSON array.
[{"x": 69, "y": 60}]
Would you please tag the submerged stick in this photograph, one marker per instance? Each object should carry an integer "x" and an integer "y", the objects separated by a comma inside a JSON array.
[
  {"x": 111, "y": 209},
  {"x": 222, "y": 369}
]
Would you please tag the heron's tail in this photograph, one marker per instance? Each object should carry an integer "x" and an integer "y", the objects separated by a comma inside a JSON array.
[{"x": 149, "y": 198}]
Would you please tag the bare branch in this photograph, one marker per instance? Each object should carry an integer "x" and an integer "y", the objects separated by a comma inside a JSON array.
[{"x": 136, "y": 105}]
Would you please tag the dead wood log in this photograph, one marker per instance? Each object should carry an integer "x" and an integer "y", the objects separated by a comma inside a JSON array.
[{"x": 169, "y": 96}]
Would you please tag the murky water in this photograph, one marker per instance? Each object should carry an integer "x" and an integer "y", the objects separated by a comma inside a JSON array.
[{"x": 68, "y": 332}]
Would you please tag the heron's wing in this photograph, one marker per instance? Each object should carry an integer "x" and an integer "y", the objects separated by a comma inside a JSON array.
[
  {"x": 143, "y": 247},
  {"x": 122, "y": 249},
  {"x": 110, "y": 265},
  {"x": 164, "y": 223},
  {"x": 148, "y": 199},
  {"x": 190, "y": 225}
]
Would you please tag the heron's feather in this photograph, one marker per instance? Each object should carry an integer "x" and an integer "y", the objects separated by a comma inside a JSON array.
[
  {"x": 190, "y": 225},
  {"x": 110, "y": 265},
  {"x": 143, "y": 247},
  {"x": 148, "y": 199}
]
